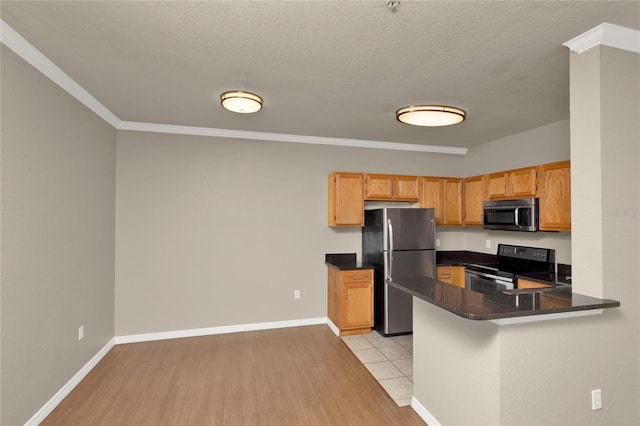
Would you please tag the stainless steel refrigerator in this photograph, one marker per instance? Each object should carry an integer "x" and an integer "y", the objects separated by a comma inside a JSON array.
[{"x": 398, "y": 242}]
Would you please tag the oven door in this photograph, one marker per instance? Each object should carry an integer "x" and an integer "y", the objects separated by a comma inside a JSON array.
[{"x": 487, "y": 283}]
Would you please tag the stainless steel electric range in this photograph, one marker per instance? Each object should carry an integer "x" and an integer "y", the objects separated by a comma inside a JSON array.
[{"x": 512, "y": 261}]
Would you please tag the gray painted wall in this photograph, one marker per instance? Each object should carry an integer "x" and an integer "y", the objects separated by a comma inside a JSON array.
[
  {"x": 213, "y": 232},
  {"x": 57, "y": 241},
  {"x": 546, "y": 144}
]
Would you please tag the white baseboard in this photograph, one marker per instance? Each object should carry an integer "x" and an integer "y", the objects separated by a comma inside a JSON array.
[
  {"x": 423, "y": 413},
  {"x": 148, "y": 337},
  {"x": 47, "y": 408},
  {"x": 333, "y": 327}
]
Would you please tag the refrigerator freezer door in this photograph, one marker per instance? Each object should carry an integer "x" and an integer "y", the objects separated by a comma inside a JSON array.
[{"x": 409, "y": 229}]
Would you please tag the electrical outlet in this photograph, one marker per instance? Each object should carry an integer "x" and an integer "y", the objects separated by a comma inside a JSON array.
[
  {"x": 81, "y": 332},
  {"x": 296, "y": 294},
  {"x": 488, "y": 243},
  {"x": 437, "y": 242},
  {"x": 596, "y": 399}
]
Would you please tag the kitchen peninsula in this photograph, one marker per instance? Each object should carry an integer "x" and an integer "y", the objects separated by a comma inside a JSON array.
[{"x": 475, "y": 349}]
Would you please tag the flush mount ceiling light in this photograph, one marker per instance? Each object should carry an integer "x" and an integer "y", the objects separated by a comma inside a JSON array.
[
  {"x": 430, "y": 115},
  {"x": 242, "y": 102}
]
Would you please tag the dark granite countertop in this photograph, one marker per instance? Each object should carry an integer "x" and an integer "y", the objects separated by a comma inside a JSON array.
[
  {"x": 463, "y": 257},
  {"x": 344, "y": 261},
  {"x": 478, "y": 306}
]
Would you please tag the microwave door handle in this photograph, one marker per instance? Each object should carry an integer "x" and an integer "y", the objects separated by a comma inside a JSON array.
[{"x": 517, "y": 213}]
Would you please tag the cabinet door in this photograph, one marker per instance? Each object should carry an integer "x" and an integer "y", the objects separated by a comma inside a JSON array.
[
  {"x": 555, "y": 196},
  {"x": 457, "y": 276},
  {"x": 474, "y": 195},
  {"x": 407, "y": 188},
  {"x": 378, "y": 187},
  {"x": 357, "y": 305},
  {"x": 346, "y": 202},
  {"x": 432, "y": 196},
  {"x": 443, "y": 273},
  {"x": 452, "y": 200},
  {"x": 497, "y": 185},
  {"x": 523, "y": 182},
  {"x": 451, "y": 274}
]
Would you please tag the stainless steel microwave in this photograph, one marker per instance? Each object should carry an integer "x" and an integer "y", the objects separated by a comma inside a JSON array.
[{"x": 511, "y": 215}]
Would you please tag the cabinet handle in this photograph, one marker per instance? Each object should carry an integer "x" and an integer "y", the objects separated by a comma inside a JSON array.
[
  {"x": 345, "y": 294},
  {"x": 358, "y": 277}
]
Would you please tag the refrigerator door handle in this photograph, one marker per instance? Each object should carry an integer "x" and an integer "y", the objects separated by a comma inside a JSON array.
[
  {"x": 388, "y": 265},
  {"x": 390, "y": 226}
]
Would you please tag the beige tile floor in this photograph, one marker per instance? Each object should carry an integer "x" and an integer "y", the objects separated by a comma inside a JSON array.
[{"x": 390, "y": 361}]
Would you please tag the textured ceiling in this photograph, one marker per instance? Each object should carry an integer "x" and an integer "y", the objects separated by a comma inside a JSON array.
[{"x": 324, "y": 68}]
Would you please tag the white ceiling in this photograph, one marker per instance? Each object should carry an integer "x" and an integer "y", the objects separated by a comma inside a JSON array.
[{"x": 336, "y": 69}]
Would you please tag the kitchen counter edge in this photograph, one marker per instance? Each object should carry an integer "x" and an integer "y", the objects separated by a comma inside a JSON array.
[{"x": 482, "y": 307}]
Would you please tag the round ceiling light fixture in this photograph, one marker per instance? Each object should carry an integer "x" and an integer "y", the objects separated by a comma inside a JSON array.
[
  {"x": 430, "y": 115},
  {"x": 241, "y": 102}
]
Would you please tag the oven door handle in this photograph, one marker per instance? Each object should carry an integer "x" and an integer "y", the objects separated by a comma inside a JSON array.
[{"x": 497, "y": 278}]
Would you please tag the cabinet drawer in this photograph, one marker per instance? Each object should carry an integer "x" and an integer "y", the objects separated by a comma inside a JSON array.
[{"x": 357, "y": 276}]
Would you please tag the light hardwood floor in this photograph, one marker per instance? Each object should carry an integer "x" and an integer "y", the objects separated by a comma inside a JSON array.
[{"x": 290, "y": 376}]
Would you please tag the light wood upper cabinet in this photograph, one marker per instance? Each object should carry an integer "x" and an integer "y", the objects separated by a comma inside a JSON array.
[
  {"x": 452, "y": 201},
  {"x": 517, "y": 183},
  {"x": 378, "y": 187},
  {"x": 524, "y": 182},
  {"x": 474, "y": 195},
  {"x": 431, "y": 196},
  {"x": 346, "y": 200},
  {"x": 456, "y": 201},
  {"x": 407, "y": 188},
  {"x": 391, "y": 187},
  {"x": 497, "y": 185},
  {"x": 445, "y": 196},
  {"x": 555, "y": 196}
]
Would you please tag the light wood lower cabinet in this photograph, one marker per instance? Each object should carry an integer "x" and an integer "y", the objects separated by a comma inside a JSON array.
[
  {"x": 350, "y": 300},
  {"x": 531, "y": 284},
  {"x": 451, "y": 274}
]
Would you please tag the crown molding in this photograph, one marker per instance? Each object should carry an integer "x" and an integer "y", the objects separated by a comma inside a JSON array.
[
  {"x": 18, "y": 44},
  {"x": 606, "y": 35},
  {"x": 282, "y": 137},
  {"x": 14, "y": 41}
]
